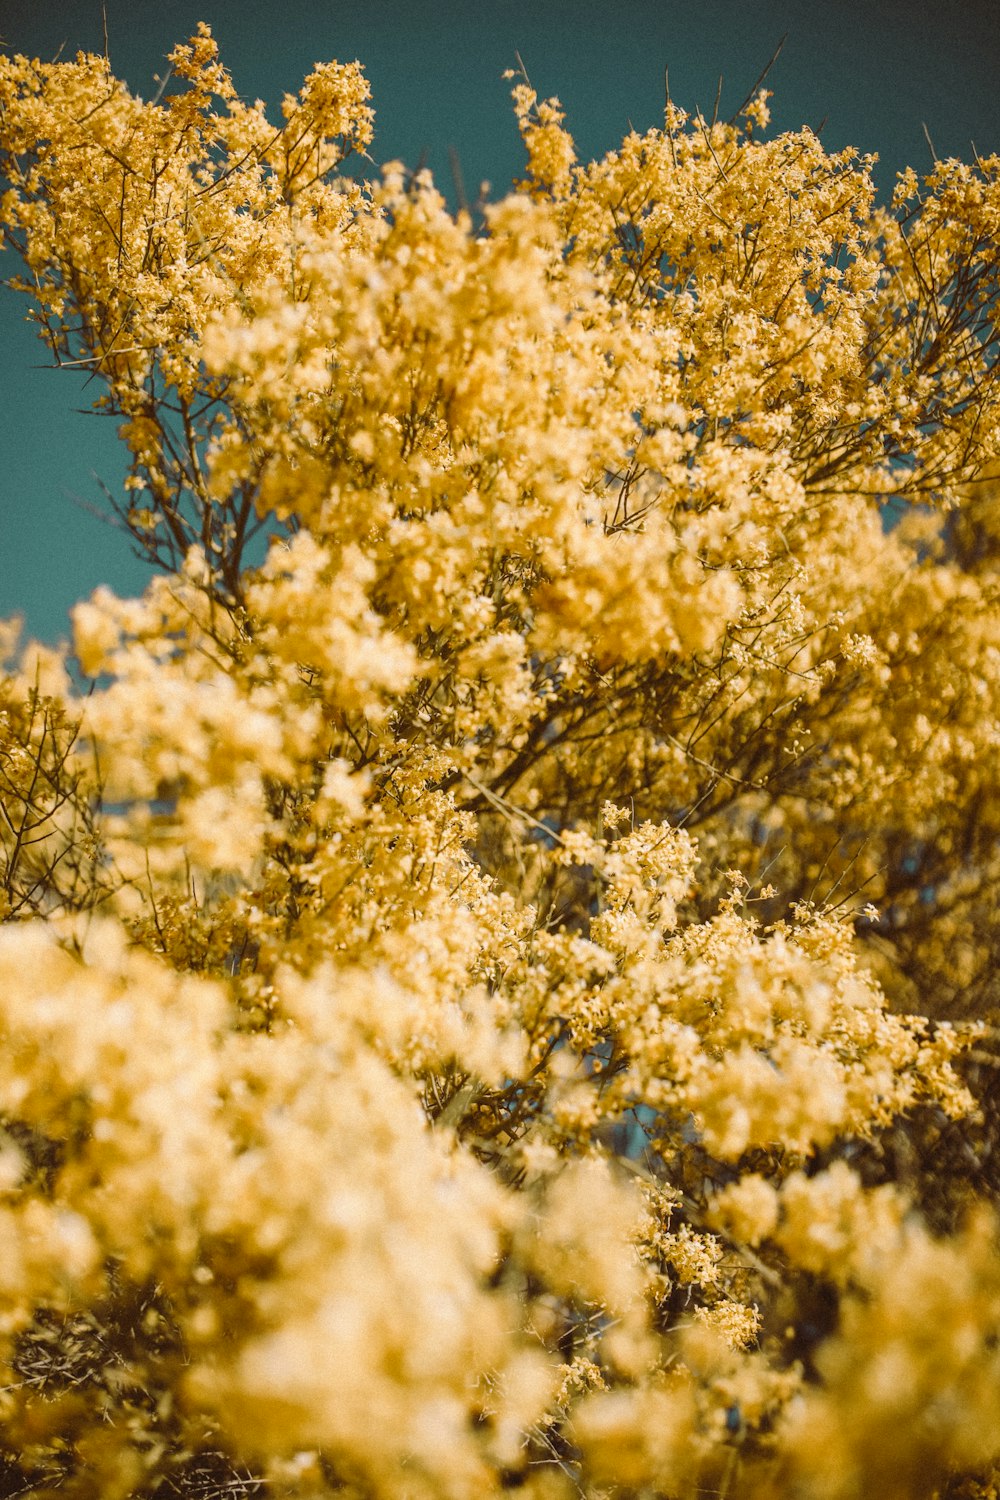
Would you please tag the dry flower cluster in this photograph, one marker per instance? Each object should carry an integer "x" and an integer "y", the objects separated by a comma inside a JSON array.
[{"x": 500, "y": 943}]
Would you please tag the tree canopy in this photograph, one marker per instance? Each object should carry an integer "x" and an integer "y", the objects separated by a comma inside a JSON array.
[{"x": 499, "y": 943}]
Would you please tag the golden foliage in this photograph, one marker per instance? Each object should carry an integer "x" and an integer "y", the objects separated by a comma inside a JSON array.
[{"x": 497, "y": 975}]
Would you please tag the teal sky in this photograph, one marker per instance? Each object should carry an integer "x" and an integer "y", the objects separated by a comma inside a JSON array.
[{"x": 876, "y": 70}]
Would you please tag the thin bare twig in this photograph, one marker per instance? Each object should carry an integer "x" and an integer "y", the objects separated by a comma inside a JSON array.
[{"x": 759, "y": 80}]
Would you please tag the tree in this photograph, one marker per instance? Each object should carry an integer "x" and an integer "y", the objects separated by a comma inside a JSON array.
[{"x": 499, "y": 940}]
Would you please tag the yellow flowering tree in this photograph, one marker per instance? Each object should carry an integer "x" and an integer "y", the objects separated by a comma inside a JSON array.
[{"x": 498, "y": 942}]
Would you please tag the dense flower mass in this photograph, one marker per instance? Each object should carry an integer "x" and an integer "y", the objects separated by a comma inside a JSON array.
[{"x": 498, "y": 944}]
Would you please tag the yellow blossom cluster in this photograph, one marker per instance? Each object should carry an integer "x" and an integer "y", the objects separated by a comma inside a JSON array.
[{"x": 498, "y": 943}]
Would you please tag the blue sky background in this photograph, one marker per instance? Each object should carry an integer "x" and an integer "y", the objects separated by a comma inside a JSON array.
[{"x": 876, "y": 70}]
